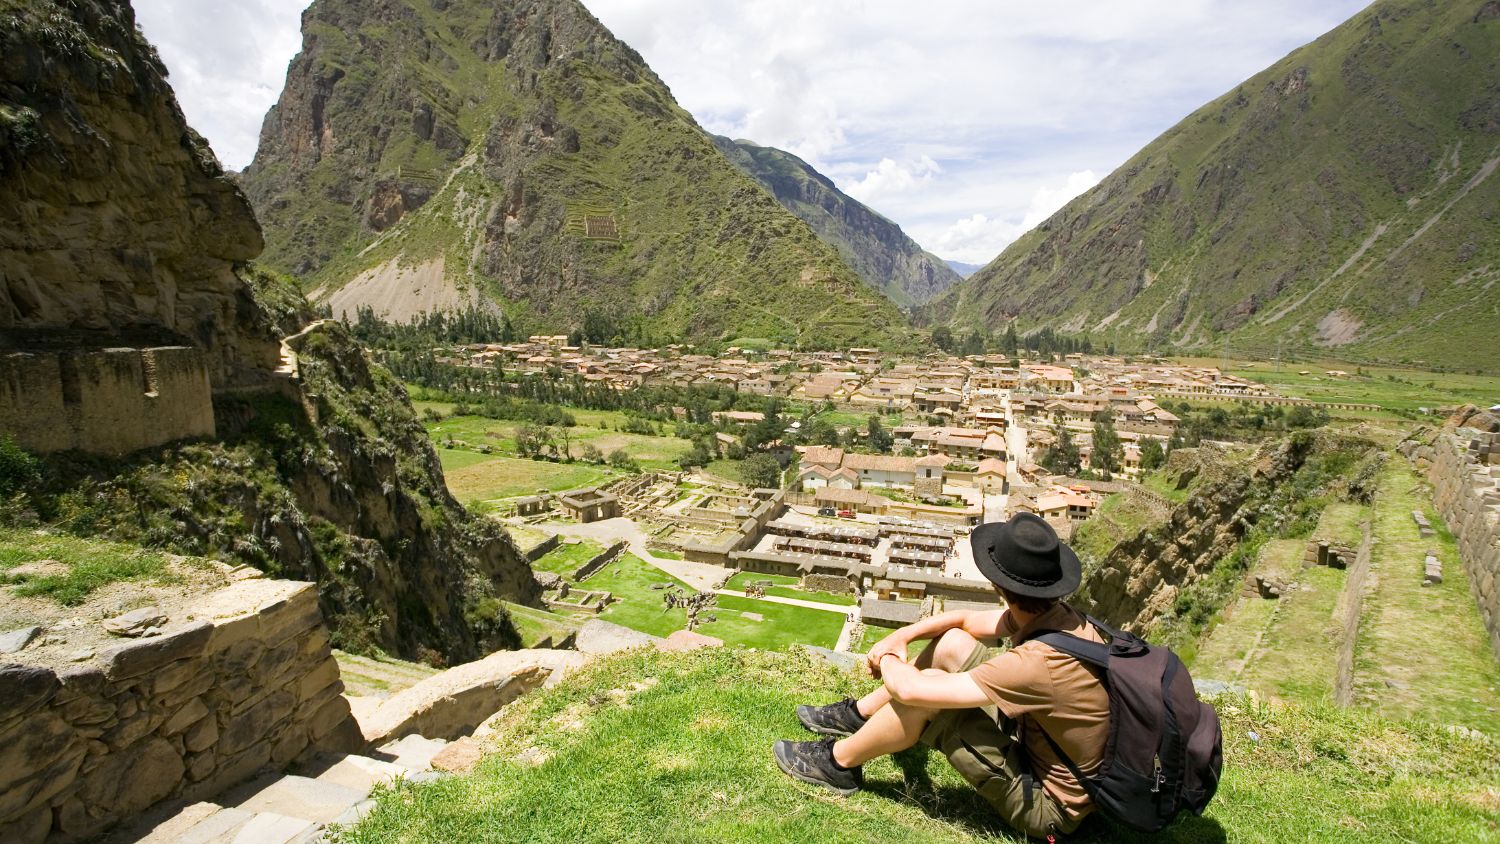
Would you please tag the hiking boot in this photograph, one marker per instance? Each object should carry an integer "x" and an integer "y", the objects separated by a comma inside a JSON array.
[
  {"x": 836, "y": 719},
  {"x": 812, "y": 762}
]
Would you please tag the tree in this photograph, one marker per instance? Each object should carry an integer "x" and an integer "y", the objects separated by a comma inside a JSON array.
[
  {"x": 1109, "y": 454},
  {"x": 592, "y": 454},
  {"x": 621, "y": 460},
  {"x": 761, "y": 471},
  {"x": 880, "y": 439},
  {"x": 942, "y": 338},
  {"x": 1010, "y": 343},
  {"x": 1152, "y": 455},
  {"x": 1063, "y": 458}
]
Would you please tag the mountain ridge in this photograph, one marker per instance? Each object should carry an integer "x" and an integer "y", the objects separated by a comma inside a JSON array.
[
  {"x": 519, "y": 156},
  {"x": 1337, "y": 204},
  {"x": 886, "y": 257}
]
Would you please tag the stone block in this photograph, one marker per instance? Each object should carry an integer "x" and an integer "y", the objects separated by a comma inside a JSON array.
[
  {"x": 199, "y": 684},
  {"x": 133, "y": 779},
  {"x": 202, "y": 734},
  {"x": 186, "y": 716},
  {"x": 251, "y": 725},
  {"x": 31, "y": 745},
  {"x": 317, "y": 680},
  {"x": 286, "y": 748},
  {"x": 16, "y": 640},
  {"x": 460, "y": 756},
  {"x": 75, "y": 821},
  {"x": 688, "y": 640},
  {"x": 24, "y": 688},
  {"x": 233, "y": 631},
  {"x": 81, "y": 680},
  {"x": 201, "y": 765},
  {"x": 599, "y": 637},
  {"x": 136, "y": 658},
  {"x": 30, "y": 828},
  {"x": 51, "y": 776},
  {"x": 174, "y": 675}
]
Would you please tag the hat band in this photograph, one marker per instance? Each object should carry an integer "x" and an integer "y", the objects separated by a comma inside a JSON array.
[{"x": 1028, "y": 581}]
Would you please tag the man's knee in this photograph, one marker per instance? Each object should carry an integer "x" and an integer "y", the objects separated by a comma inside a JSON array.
[{"x": 952, "y": 650}]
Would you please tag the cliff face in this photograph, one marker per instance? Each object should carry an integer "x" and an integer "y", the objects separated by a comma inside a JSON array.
[
  {"x": 883, "y": 255},
  {"x": 442, "y": 155},
  {"x": 1340, "y": 202},
  {"x": 117, "y": 226},
  {"x": 115, "y": 218}
]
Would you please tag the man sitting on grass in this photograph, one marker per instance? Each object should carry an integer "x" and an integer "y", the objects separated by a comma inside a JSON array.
[{"x": 987, "y": 715}]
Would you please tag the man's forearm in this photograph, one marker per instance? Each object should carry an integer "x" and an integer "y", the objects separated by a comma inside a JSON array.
[{"x": 935, "y": 626}]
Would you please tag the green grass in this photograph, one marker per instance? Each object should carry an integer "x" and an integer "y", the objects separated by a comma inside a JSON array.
[
  {"x": 536, "y": 626},
  {"x": 460, "y": 458},
  {"x": 1298, "y": 657},
  {"x": 650, "y": 452},
  {"x": 567, "y": 557},
  {"x": 648, "y": 747},
  {"x": 1389, "y": 387},
  {"x": 729, "y": 470},
  {"x": 786, "y": 587},
  {"x": 1422, "y": 651},
  {"x": 508, "y": 477},
  {"x": 91, "y": 565},
  {"x": 640, "y": 608},
  {"x": 859, "y": 418}
]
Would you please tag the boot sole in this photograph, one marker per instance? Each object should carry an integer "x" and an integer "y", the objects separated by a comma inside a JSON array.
[{"x": 787, "y": 769}]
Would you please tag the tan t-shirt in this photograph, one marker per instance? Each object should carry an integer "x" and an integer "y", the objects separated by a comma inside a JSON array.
[{"x": 1057, "y": 692}]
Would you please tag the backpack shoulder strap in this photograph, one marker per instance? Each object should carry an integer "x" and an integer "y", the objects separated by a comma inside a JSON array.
[{"x": 1093, "y": 653}]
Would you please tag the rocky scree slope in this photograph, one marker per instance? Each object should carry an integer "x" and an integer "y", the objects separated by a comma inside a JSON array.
[
  {"x": 1342, "y": 202},
  {"x": 446, "y": 154},
  {"x": 330, "y": 478},
  {"x": 115, "y": 217},
  {"x": 883, "y": 255}
]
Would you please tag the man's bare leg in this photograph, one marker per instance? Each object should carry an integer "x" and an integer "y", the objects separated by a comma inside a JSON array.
[{"x": 894, "y": 726}]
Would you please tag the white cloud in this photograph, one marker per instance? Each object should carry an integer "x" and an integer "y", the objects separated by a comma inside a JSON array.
[
  {"x": 978, "y": 238},
  {"x": 889, "y": 178},
  {"x": 957, "y": 119}
]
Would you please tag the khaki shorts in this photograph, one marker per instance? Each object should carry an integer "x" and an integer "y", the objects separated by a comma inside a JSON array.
[{"x": 991, "y": 760}]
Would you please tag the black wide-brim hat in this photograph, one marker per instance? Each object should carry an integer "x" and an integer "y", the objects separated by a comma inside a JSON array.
[{"x": 1024, "y": 557}]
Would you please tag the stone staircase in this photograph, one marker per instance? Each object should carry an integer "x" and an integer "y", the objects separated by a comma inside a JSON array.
[{"x": 291, "y": 808}]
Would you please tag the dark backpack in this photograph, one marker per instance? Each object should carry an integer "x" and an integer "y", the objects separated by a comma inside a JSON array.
[{"x": 1164, "y": 750}]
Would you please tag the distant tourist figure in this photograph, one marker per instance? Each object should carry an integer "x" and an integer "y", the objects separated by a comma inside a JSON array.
[{"x": 1030, "y": 728}]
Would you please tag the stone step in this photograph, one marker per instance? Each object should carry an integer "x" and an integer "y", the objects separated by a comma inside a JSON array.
[
  {"x": 412, "y": 752},
  {"x": 297, "y": 797},
  {"x": 361, "y": 773},
  {"x": 238, "y": 826}
]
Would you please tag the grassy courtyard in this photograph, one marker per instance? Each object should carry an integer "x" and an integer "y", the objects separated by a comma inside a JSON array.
[
  {"x": 641, "y": 608},
  {"x": 568, "y": 556},
  {"x": 1391, "y": 388},
  {"x": 786, "y": 587},
  {"x": 493, "y": 476},
  {"x": 650, "y": 452}
]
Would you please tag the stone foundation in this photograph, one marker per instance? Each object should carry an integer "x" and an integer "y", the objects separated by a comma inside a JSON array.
[
  {"x": 105, "y": 401},
  {"x": 1464, "y": 467},
  {"x": 250, "y": 683}
]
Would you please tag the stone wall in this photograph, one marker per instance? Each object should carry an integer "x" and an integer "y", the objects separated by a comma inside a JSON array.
[
  {"x": 105, "y": 401},
  {"x": 1464, "y": 467},
  {"x": 251, "y": 682}
]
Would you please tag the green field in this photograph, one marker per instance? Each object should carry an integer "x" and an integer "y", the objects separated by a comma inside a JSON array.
[
  {"x": 508, "y": 477},
  {"x": 650, "y": 452},
  {"x": 1390, "y": 388},
  {"x": 641, "y": 608},
  {"x": 82, "y": 566},
  {"x": 649, "y": 747},
  {"x": 537, "y": 626},
  {"x": 859, "y": 418},
  {"x": 568, "y": 556},
  {"x": 786, "y": 587}
]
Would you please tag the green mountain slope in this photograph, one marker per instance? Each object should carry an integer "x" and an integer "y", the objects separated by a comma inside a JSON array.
[
  {"x": 883, "y": 255},
  {"x": 1342, "y": 202},
  {"x": 436, "y": 154}
]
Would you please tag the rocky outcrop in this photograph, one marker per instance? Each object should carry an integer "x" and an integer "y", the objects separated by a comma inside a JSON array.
[
  {"x": 538, "y": 162},
  {"x": 1141, "y": 577},
  {"x": 883, "y": 255},
  {"x": 117, "y": 225}
]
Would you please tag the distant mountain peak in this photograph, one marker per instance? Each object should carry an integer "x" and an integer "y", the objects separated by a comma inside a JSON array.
[{"x": 883, "y": 255}]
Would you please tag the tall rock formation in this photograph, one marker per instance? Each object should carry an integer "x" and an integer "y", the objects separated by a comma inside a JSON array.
[
  {"x": 1341, "y": 203},
  {"x": 445, "y": 154},
  {"x": 115, "y": 218},
  {"x": 118, "y": 227},
  {"x": 883, "y": 255}
]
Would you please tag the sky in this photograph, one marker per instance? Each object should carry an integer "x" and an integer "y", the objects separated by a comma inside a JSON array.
[{"x": 967, "y": 122}]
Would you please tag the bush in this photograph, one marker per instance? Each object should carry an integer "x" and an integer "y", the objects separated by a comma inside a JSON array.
[{"x": 19, "y": 469}]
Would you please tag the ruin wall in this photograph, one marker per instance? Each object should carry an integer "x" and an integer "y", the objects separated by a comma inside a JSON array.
[
  {"x": 105, "y": 401},
  {"x": 184, "y": 714},
  {"x": 1464, "y": 468}
]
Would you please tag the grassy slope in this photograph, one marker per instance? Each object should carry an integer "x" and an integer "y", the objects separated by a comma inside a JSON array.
[
  {"x": 648, "y": 747},
  {"x": 1250, "y": 206},
  {"x": 86, "y": 565}
]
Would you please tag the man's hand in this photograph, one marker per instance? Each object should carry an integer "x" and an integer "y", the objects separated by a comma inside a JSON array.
[{"x": 893, "y": 645}]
